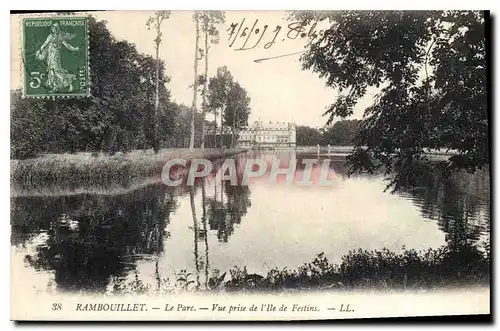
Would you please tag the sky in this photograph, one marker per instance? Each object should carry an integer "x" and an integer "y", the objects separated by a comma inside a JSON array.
[{"x": 279, "y": 89}]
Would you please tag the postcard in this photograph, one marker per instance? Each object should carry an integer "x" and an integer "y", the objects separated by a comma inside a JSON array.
[{"x": 249, "y": 165}]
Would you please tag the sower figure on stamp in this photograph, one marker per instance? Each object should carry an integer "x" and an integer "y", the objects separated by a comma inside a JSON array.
[{"x": 58, "y": 78}]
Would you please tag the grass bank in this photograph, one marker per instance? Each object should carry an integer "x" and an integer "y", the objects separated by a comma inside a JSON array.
[
  {"x": 374, "y": 270},
  {"x": 80, "y": 169},
  {"x": 379, "y": 270}
]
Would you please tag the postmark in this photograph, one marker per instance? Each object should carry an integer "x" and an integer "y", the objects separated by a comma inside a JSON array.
[{"x": 55, "y": 57}]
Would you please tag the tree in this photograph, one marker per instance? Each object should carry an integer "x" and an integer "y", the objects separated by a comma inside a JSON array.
[
  {"x": 118, "y": 116},
  {"x": 209, "y": 20},
  {"x": 156, "y": 20},
  {"x": 176, "y": 124},
  {"x": 28, "y": 125},
  {"x": 430, "y": 68},
  {"x": 237, "y": 110},
  {"x": 217, "y": 96},
  {"x": 196, "y": 19},
  {"x": 342, "y": 133},
  {"x": 307, "y": 136},
  {"x": 226, "y": 96}
]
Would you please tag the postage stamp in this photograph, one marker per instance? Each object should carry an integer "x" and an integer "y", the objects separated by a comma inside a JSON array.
[{"x": 56, "y": 57}]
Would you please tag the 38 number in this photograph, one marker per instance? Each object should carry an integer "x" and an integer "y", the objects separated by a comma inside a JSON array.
[{"x": 56, "y": 306}]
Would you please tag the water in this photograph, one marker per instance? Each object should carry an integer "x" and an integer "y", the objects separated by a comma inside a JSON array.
[{"x": 90, "y": 240}]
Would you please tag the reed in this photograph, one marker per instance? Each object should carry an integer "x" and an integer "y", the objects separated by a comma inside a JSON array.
[{"x": 81, "y": 169}]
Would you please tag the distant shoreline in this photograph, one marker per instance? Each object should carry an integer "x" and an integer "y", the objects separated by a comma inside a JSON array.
[{"x": 348, "y": 149}]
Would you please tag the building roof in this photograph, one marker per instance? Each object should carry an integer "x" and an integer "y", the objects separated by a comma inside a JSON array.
[{"x": 260, "y": 125}]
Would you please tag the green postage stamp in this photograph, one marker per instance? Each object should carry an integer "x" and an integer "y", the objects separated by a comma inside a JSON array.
[{"x": 55, "y": 57}]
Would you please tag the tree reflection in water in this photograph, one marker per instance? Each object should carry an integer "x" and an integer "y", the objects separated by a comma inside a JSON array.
[
  {"x": 458, "y": 202},
  {"x": 93, "y": 239},
  {"x": 223, "y": 215},
  {"x": 205, "y": 233},
  {"x": 222, "y": 211}
]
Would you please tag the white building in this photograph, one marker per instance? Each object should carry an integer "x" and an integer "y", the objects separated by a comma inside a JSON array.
[{"x": 269, "y": 135}]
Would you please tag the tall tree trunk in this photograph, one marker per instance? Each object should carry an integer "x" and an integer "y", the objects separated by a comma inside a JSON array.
[
  {"x": 204, "y": 220},
  {"x": 217, "y": 140},
  {"x": 157, "y": 276},
  {"x": 234, "y": 127},
  {"x": 222, "y": 192},
  {"x": 195, "y": 84},
  {"x": 195, "y": 230},
  {"x": 221, "y": 128},
  {"x": 205, "y": 88},
  {"x": 215, "y": 129},
  {"x": 157, "y": 90}
]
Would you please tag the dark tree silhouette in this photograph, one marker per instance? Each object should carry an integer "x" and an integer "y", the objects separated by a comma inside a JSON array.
[{"x": 430, "y": 68}]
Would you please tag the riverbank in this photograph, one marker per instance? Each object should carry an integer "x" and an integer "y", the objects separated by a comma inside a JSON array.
[
  {"x": 360, "y": 270},
  {"x": 80, "y": 169},
  {"x": 376, "y": 270}
]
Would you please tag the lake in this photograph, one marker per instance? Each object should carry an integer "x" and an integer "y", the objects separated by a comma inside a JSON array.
[{"x": 88, "y": 239}]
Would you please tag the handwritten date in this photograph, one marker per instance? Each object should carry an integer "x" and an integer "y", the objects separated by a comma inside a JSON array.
[{"x": 250, "y": 36}]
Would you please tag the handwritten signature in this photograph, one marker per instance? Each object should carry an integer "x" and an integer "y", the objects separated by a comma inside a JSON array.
[{"x": 243, "y": 37}]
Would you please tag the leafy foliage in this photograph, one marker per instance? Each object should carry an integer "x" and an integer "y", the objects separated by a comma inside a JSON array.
[
  {"x": 119, "y": 115},
  {"x": 430, "y": 69},
  {"x": 219, "y": 87},
  {"x": 237, "y": 107},
  {"x": 307, "y": 136},
  {"x": 359, "y": 269},
  {"x": 209, "y": 19},
  {"x": 227, "y": 97},
  {"x": 378, "y": 269},
  {"x": 155, "y": 22},
  {"x": 341, "y": 133}
]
